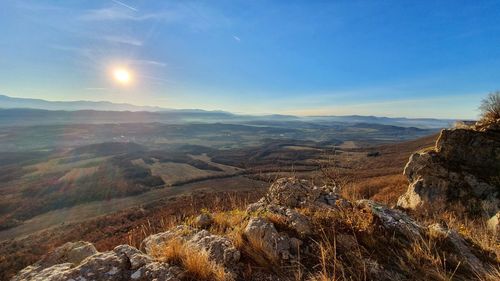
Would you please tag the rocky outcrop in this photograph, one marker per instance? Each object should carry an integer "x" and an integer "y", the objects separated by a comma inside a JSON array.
[
  {"x": 220, "y": 249},
  {"x": 294, "y": 193},
  {"x": 69, "y": 253},
  {"x": 262, "y": 234},
  {"x": 463, "y": 168},
  {"x": 122, "y": 263},
  {"x": 296, "y": 225}
]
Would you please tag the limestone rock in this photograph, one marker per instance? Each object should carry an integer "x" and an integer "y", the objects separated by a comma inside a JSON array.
[
  {"x": 136, "y": 257},
  {"x": 122, "y": 263},
  {"x": 393, "y": 220},
  {"x": 492, "y": 223},
  {"x": 464, "y": 168},
  {"x": 71, "y": 252},
  {"x": 292, "y": 192},
  {"x": 220, "y": 249},
  {"x": 293, "y": 219},
  {"x": 203, "y": 221},
  {"x": 263, "y": 233},
  {"x": 258, "y": 206},
  {"x": 155, "y": 271}
]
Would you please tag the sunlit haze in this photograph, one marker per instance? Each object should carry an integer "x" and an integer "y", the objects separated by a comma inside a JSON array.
[
  {"x": 122, "y": 75},
  {"x": 391, "y": 58}
]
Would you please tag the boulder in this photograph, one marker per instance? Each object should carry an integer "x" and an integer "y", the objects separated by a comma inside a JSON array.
[
  {"x": 394, "y": 221},
  {"x": 71, "y": 252},
  {"x": 203, "y": 221},
  {"x": 292, "y": 218},
  {"x": 463, "y": 168},
  {"x": 263, "y": 235},
  {"x": 292, "y": 192},
  {"x": 220, "y": 249}
]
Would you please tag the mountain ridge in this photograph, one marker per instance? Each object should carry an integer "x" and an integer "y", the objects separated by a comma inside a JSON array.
[{"x": 10, "y": 106}]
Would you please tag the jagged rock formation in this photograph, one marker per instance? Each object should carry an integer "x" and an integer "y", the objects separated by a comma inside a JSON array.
[
  {"x": 463, "y": 168},
  {"x": 297, "y": 231},
  {"x": 74, "y": 262}
]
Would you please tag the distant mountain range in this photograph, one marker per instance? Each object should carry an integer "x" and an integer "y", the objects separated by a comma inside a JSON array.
[
  {"x": 11, "y": 102},
  {"x": 26, "y": 111}
]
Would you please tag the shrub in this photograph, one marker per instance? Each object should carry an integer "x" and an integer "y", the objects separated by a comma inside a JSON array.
[{"x": 490, "y": 107}]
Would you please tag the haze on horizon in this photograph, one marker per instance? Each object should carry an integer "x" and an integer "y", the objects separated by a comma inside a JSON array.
[{"x": 391, "y": 58}]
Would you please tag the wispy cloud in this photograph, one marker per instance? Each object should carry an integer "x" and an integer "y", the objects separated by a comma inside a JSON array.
[
  {"x": 149, "y": 62},
  {"x": 236, "y": 38},
  {"x": 118, "y": 13},
  {"x": 96, "y": 89},
  {"x": 158, "y": 80},
  {"x": 125, "y": 5},
  {"x": 124, "y": 40},
  {"x": 198, "y": 17}
]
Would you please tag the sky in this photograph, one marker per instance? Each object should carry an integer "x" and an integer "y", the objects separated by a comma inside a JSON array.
[{"x": 384, "y": 58}]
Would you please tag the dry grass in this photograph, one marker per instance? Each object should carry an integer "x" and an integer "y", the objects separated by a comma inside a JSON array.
[
  {"x": 385, "y": 189},
  {"x": 226, "y": 222},
  {"x": 194, "y": 261},
  {"x": 226, "y": 209},
  {"x": 352, "y": 248},
  {"x": 473, "y": 229},
  {"x": 492, "y": 275},
  {"x": 347, "y": 245}
]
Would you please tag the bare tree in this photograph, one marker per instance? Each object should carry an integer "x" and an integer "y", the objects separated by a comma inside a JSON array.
[{"x": 490, "y": 107}]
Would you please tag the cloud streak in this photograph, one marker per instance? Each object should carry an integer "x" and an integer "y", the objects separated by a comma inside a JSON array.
[
  {"x": 117, "y": 14},
  {"x": 197, "y": 17},
  {"x": 125, "y": 5},
  {"x": 124, "y": 40},
  {"x": 149, "y": 62}
]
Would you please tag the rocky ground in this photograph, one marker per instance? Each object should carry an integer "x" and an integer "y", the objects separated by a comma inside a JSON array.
[{"x": 298, "y": 231}]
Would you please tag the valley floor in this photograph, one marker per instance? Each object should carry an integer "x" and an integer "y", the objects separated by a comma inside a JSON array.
[{"x": 95, "y": 209}]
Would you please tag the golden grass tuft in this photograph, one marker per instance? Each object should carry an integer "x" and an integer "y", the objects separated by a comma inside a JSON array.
[
  {"x": 224, "y": 222},
  {"x": 195, "y": 262}
]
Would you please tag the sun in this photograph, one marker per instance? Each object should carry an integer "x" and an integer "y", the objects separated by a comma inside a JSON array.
[{"x": 122, "y": 75}]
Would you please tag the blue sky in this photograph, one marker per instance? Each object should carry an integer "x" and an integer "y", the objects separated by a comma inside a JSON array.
[{"x": 386, "y": 58}]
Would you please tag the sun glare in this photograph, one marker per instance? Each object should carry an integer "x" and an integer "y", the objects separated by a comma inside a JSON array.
[{"x": 122, "y": 75}]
